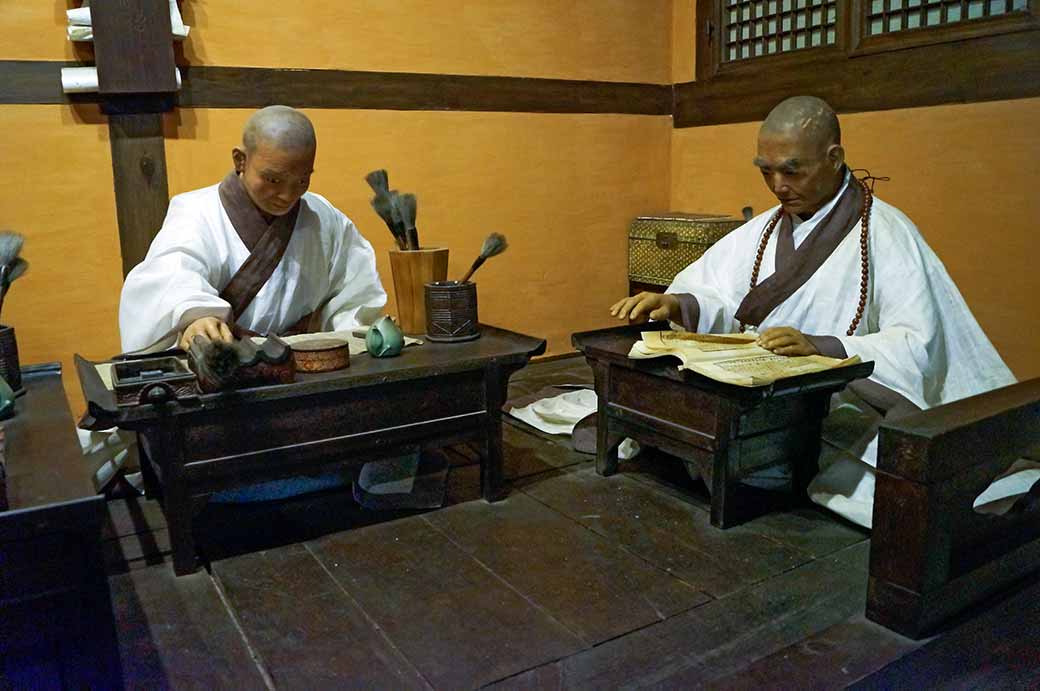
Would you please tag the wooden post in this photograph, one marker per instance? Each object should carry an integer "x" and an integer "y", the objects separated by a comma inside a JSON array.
[{"x": 139, "y": 172}]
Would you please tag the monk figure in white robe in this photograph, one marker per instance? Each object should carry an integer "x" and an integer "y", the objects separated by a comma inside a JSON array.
[
  {"x": 256, "y": 253},
  {"x": 259, "y": 254},
  {"x": 833, "y": 270}
]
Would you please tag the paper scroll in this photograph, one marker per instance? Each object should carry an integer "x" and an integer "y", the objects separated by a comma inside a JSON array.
[
  {"x": 81, "y": 29},
  {"x": 84, "y": 80}
]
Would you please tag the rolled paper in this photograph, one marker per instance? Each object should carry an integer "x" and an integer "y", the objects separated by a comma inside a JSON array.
[
  {"x": 79, "y": 16},
  {"x": 80, "y": 33},
  {"x": 176, "y": 23},
  {"x": 84, "y": 80},
  {"x": 80, "y": 27},
  {"x": 86, "y": 33},
  {"x": 79, "y": 80}
]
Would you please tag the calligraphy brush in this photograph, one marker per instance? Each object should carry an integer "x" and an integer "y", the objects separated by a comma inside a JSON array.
[
  {"x": 11, "y": 265},
  {"x": 383, "y": 203},
  {"x": 494, "y": 244},
  {"x": 407, "y": 206},
  {"x": 379, "y": 181}
]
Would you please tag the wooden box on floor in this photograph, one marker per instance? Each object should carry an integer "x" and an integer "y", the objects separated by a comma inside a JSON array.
[{"x": 931, "y": 554}]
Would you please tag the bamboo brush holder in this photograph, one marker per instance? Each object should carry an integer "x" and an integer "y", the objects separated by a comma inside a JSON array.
[
  {"x": 451, "y": 311},
  {"x": 10, "y": 368},
  {"x": 412, "y": 270}
]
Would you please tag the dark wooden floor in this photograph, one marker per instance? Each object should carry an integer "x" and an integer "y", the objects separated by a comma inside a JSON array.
[{"x": 574, "y": 581}]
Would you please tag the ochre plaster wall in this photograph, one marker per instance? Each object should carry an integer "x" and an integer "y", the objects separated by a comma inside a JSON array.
[
  {"x": 57, "y": 192},
  {"x": 965, "y": 174},
  {"x": 609, "y": 40}
]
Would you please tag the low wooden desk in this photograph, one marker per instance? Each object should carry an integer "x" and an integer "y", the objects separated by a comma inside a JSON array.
[
  {"x": 56, "y": 625},
  {"x": 431, "y": 395},
  {"x": 728, "y": 431}
]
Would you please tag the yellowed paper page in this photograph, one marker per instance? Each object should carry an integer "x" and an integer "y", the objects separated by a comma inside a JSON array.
[{"x": 730, "y": 358}]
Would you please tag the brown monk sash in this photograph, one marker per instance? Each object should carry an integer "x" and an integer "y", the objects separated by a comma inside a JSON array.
[
  {"x": 265, "y": 241},
  {"x": 795, "y": 266}
]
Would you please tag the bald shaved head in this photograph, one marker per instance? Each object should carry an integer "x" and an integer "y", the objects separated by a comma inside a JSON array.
[
  {"x": 800, "y": 154},
  {"x": 280, "y": 127},
  {"x": 804, "y": 116},
  {"x": 276, "y": 159}
]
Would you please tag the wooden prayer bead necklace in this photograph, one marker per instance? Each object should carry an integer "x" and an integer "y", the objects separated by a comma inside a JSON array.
[{"x": 868, "y": 202}]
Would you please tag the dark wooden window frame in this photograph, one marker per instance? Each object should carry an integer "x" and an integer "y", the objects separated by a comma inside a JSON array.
[
  {"x": 851, "y": 40},
  {"x": 980, "y": 60}
]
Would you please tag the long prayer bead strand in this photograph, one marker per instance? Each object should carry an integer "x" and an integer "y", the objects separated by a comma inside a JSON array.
[{"x": 868, "y": 203}]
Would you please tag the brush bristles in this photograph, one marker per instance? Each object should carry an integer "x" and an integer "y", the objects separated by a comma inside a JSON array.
[
  {"x": 494, "y": 244},
  {"x": 10, "y": 245},
  {"x": 378, "y": 180}
]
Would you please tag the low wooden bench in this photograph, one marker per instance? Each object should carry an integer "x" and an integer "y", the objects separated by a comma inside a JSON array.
[{"x": 932, "y": 555}]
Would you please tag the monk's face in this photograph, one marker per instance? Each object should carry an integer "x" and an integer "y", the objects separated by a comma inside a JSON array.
[
  {"x": 803, "y": 174},
  {"x": 274, "y": 178}
]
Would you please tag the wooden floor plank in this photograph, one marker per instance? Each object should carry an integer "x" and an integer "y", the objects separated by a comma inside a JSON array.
[
  {"x": 131, "y": 516},
  {"x": 996, "y": 646},
  {"x": 141, "y": 550},
  {"x": 525, "y": 454},
  {"x": 545, "y": 678},
  {"x": 683, "y": 650},
  {"x": 460, "y": 625},
  {"x": 568, "y": 370},
  {"x": 584, "y": 581},
  {"x": 666, "y": 532},
  {"x": 810, "y": 529},
  {"x": 308, "y": 632},
  {"x": 830, "y": 659},
  {"x": 176, "y": 633}
]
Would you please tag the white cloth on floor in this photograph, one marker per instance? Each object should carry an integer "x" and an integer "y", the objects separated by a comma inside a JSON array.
[{"x": 559, "y": 415}]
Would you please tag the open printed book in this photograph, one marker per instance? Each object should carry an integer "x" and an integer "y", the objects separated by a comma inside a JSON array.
[{"x": 730, "y": 358}]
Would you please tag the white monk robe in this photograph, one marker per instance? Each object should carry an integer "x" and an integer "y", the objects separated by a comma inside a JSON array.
[
  {"x": 197, "y": 251},
  {"x": 925, "y": 344}
]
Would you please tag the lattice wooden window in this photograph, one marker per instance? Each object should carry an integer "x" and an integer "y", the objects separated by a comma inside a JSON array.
[
  {"x": 747, "y": 35},
  {"x": 755, "y": 28},
  {"x": 889, "y": 16}
]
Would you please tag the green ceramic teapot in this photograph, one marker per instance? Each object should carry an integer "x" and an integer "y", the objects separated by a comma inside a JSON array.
[
  {"x": 6, "y": 400},
  {"x": 384, "y": 338}
]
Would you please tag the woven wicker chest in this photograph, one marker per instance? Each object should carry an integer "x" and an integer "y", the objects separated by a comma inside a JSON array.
[{"x": 663, "y": 245}]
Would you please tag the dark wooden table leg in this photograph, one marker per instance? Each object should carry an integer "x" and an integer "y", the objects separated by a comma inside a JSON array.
[
  {"x": 179, "y": 515},
  {"x": 606, "y": 443},
  {"x": 726, "y": 467},
  {"x": 721, "y": 489},
  {"x": 491, "y": 461},
  {"x": 607, "y": 446},
  {"x": 152, "y": 489},
  {"x": 496, "y": 383},
  {"x": 177, "y": 504},
  {"x": 807, "y": 463}
]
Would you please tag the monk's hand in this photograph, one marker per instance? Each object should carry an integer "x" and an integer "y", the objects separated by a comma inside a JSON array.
[
  {"x": 207, "y": 327},
  {"x": 783, "y": 340},
  {"x": 647, "y": 305}
]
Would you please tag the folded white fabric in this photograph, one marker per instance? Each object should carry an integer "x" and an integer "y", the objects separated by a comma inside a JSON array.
[
  {"x": 559, "y": 415},
  {"x": 1002, "y": 494}
]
